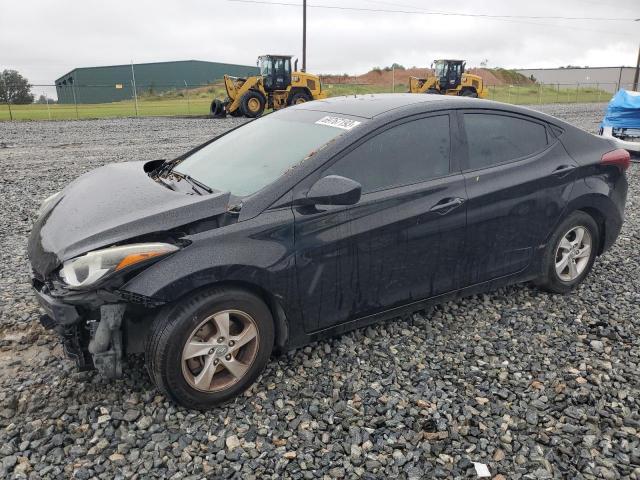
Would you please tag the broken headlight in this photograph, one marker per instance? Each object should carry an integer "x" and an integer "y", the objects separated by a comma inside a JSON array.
[{"x": 87, "y": 269}]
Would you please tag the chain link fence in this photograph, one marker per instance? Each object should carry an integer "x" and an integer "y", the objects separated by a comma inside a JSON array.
[{"x": 63, "y": 102}]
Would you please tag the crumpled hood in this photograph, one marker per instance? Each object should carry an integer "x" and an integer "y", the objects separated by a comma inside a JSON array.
[{"x": 109, "y": 205}]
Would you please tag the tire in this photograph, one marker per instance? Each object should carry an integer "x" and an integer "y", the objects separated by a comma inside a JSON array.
[
  {"x": 433, "y": 91},
  {"x": 468, "y": 93},
  {"x": 299, "y": 97},
  {"x": 176, "y": 370},
  {"x": 236, "y": 113},
  {"x": 252, "y": 104},
  {"x": 558, "y": 250},
  {"x": 217, "y": 109}
]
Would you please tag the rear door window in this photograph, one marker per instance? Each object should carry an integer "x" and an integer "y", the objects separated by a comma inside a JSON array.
[
  {"x": 405, "y": 154},
  {"x": 495, "y": 138}
]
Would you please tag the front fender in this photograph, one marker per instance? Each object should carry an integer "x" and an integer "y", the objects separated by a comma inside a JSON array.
[{"x": 257, "y": 252}]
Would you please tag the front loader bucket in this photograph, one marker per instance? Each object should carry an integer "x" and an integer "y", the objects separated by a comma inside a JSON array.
[{"x": 415, "y": 84}]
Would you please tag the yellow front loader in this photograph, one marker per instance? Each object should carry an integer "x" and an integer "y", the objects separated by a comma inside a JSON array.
[
  {"x": 276, "y": 87},
  {"x": 449, "y": 79}
]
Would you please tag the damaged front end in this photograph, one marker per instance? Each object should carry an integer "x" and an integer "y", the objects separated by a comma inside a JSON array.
[
  {"x": 91, "y": 239},
  {"x": 84, "y": 305},
  {"x": 92, "y": 325}
]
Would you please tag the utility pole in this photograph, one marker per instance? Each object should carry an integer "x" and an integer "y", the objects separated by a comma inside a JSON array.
[
  {"x": 393, "y": 78},
  {"x": 186, "y": 90},
  {"x": 135, "y": 91},
  {"x": 47, "y": 100},
  {"x": 304, "y": 35},
  {"x": 635, "y": 77}
]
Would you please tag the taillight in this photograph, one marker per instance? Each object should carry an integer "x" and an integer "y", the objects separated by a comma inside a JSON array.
[{"x": 620, "y": 158}]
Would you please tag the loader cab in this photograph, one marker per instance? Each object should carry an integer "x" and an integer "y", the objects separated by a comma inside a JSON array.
[
  {"x": 275, "y": 71},
  {"x": 449, "y": 73}
]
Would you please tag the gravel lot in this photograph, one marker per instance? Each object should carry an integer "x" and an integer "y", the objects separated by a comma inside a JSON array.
[{"x": 534, "y": 385}]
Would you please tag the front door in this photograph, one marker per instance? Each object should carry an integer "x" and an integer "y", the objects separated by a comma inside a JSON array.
[
  {"x": 400, "y": 243},
  {"x": 281, "y": 73},
  {"x": 518, "y": 178}
]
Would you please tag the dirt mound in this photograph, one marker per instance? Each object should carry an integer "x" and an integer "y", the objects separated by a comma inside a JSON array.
[
  {"x": 487, "y": 76},
  {"x": 507, "y": 77},
  {"x": 382, "y": 77},
  {"x": 378, "y": 77},
  {"x": 490, "y": 76}
]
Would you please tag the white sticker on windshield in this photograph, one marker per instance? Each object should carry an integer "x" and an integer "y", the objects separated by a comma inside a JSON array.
[{"x": 338, "y": 122}]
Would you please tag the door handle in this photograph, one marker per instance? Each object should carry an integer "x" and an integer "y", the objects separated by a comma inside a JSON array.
[
  {"x": 446, "y": 205},
  {"x": 563, "y": 169}
]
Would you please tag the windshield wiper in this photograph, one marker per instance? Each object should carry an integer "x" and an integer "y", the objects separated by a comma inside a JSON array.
[
  {"x": 159, "y": 179},
  {"x": 193, "y": 181}
]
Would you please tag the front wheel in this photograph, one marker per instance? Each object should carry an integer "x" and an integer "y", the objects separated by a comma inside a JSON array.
[
  {"x": 209, "y": 348},
  {"x": 570, "y": 253},
  {"x": 252, "y": 104}
]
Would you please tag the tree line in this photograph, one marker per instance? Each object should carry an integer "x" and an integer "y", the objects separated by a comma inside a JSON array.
[{"x": 16, "y": 90}]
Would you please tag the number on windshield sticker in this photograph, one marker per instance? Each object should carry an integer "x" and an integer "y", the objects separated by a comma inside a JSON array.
[{"x": 338, "y": 122}]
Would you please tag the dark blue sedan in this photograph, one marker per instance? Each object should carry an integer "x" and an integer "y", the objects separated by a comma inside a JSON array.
[{"x": 312, "y": 221}]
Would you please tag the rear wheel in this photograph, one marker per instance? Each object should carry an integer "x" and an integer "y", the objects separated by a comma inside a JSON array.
[
  {"x": 252, "y": 104},
  {"x": 211, "y": 347},
  {"x": 299, "y": 97},
  {"x": 570, "y": 253},
  {"x": 467, "y": 92}
]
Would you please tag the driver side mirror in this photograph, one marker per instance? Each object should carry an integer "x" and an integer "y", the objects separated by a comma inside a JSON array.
[{"x": 332, "y": 190}]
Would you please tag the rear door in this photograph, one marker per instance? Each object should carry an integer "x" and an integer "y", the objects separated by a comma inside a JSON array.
[
  {"x": 518, "y": 178},
  {"x": 401, "y": 242}
]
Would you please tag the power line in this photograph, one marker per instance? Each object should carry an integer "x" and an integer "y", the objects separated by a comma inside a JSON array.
[
  {"x": 448, "y": 14},
  {"x": 599, "y": 3},
  {"x": 510, "y": 20}
]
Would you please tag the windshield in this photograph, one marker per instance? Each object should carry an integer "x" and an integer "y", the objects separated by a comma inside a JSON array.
[
  {"x": 264, "y": 64},
  {"x": 439, "y": 70},
  {"x": 254, "y": 155}
]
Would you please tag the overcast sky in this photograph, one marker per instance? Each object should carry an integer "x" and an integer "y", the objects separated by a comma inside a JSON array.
[{"x": 44, "y": 39}]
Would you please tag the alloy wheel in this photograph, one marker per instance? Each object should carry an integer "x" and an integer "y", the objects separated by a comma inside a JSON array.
[
  {"x": 220, "y": 351},
  {"x": 573, "y": 253}
]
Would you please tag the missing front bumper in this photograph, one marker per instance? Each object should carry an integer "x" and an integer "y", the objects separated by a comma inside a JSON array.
[{"x": 91, "y": 343}]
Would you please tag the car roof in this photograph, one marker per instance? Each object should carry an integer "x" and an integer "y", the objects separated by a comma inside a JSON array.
[{"x": 371, "y": 105}]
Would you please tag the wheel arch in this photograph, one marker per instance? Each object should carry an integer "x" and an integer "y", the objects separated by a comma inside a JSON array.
[
  {"x": 468, "y": 88},
  {"x": 280, "y": 319},
  {"x": 296, "y": 90},
  {"x": 599, "y": 218},
  {"x": 258, "y": 91},
  {"x": 603, "y": 211}
]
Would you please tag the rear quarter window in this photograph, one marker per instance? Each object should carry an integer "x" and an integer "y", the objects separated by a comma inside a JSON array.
[{"x": 496, "y": 138}]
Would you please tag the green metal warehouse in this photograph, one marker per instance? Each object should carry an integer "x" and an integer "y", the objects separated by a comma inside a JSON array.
[{"x": 114, "y": 83}]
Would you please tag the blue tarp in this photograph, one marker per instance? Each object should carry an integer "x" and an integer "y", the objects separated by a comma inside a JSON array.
[{"x": 623, "y": 110}]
